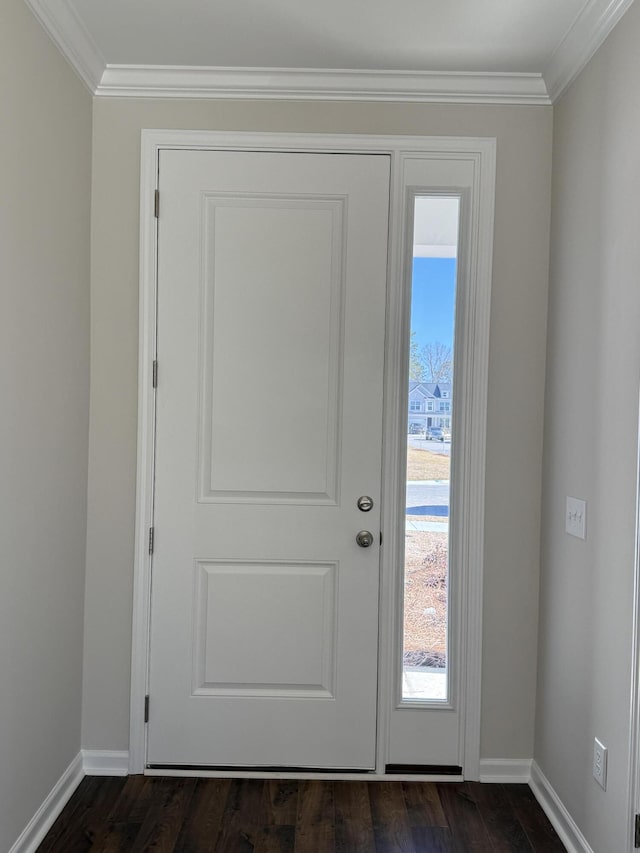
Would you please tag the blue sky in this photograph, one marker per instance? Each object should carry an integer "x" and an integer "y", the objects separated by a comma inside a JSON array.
[{"x": 433, "y": 300}]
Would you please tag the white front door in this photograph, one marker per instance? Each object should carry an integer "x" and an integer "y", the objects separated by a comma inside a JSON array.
[{"x": 270, "y": 342}]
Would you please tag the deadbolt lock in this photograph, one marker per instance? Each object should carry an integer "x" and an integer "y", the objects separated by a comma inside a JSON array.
[{"x": 365, "y": 503}]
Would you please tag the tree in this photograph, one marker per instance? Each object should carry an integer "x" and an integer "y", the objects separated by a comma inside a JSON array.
[
  {"x": 416, "y": 364},
  {"x": 437, "y": 360},
  {"x": 432, "y": 363}
]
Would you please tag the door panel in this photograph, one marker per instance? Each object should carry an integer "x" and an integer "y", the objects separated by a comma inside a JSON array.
[
  {"x": 264, "y": 610},
  {"x": 238, "y": 652},
  {"x": 290, "y": 453}
]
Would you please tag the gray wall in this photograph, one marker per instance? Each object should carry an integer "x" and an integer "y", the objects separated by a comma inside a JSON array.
[
  {"x": 591, "y": 435},
  {"x": 517, "y": 359},
  {"x": 45, "y": 174}
]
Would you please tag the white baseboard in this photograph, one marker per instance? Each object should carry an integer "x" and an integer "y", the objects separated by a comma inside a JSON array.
[
  {"x": 505, "y": 770},
  {"x": 44, "y": 818},
  {"x": 555, "y": 810},
  {"x": 105, "y": 762}
]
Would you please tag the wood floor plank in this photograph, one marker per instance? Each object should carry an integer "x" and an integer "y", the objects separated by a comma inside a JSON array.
[
  {"x": 72, "y": 814},
  {"x": 119, "y": 837},
  {"x": 282, "y": 801},
  {"x": 244, "y": 818},
  {"x": 182, "y": 815},
  {"x": 353, "y": 821},
  {"x": 534, "y": 821},
  {"x": 390, "y": 819},
  {"x": 141, "y": 804},
  {"x": 433, "y": 839},
  {"x": 315, "y": 824},
  {"x": 503, "y": 827},
  {"x": 95, "y": 820},
  {"x": 89, "y": 821},
  {"x": 423, "y": 804},
  {"x": 165, "y": 817},
  {"x": 122, "y": 828},
  {"x": 463, "y": 817},
  {"x": 203, "y": 825},
  {"x": 276, "y": 839}
]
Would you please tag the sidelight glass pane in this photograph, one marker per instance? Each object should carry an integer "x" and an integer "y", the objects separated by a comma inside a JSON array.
[{"x": 429, "y": 446}]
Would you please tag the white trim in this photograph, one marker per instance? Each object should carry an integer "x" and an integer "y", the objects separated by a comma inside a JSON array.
[
  {"x": 66, "y": 29},
  {"x": 468, "y": 477},
  {"x": 105, "y": 762},
  {"x": 634, "y": 732},
  {"x": 42, "y": 821},
  {"x": 505, "y": 770},
  {"x": 145, "y": 81},
  {"x": 586, "y": 35},
  {"x": 145, "y": 455},
  {"x": 556, "y": 811},
  {"x": 400, "y": 148},
  {"x": 474, "y": 372},
  {"x": 393, "y": 460}
]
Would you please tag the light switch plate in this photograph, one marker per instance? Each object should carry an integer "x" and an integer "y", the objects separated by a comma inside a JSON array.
[{"x": 576, "y": 518}]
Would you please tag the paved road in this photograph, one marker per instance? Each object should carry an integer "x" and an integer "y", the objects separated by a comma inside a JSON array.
[
  {"x": 426, "y": 444},
  {"x": 430, "y": 498}
]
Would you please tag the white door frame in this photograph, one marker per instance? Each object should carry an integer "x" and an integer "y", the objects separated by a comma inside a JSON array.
[
  {"x": 471, "y": 375},
  {"x": 634, "y": 730}
]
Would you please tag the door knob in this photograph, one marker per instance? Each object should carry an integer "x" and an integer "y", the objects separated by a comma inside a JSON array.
[
  {"x": 364, "y": 538},
  {"x": 365, "y": 503}
]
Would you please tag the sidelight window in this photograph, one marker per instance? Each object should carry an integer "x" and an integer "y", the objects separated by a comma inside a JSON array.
[{"x": 426, "y": 615}]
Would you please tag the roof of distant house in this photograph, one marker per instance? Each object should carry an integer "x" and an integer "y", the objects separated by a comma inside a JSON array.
[{"x": 430, "y": 389}]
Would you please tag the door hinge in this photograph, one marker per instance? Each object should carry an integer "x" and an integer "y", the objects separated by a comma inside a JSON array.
[
  {"x": 151, "y": 536},
  {"x": 155, "y": 374},
  {"x": 146, "y": 709},
  {"x": 156, "y": 203}
]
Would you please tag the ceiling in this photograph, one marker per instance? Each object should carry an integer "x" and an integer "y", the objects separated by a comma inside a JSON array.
[
  {"x": 515, "y": 51},
  {"x": 435, "y": 226},
  {"x": 416, "y": 35}
]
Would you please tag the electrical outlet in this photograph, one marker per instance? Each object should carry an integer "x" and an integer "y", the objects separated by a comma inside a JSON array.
[
  {"x": 600, "y": 763},
  {"x": 576, "y": 518}
]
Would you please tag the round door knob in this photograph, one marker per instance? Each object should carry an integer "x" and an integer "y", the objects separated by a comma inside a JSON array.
[
  {"x": 365, "y": 503},
  {"x": 364, "y": 538}
]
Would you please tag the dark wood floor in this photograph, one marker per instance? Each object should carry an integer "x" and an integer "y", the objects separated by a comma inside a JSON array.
[{"x": 249, "y": 816}]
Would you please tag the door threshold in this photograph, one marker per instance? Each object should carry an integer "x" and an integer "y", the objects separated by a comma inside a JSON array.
[
  {"x": 279, "y": 773},
  {"x": 424, "y": 769},
  {"x": 234, "y": 768}
]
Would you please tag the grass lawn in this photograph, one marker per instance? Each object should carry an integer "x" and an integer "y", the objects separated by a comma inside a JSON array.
[{"x": 427, "y": 465}]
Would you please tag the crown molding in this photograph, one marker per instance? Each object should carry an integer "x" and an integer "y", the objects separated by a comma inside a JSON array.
[
  {"x": 587, "y": 33},
  {"x": 321, "y": 84},
  {"x": 72, "y": 39},
  {"x": 585, "y": 36}
]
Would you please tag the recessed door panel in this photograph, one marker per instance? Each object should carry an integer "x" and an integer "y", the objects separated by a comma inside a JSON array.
[
  {"x": 265, "y": 629},
  {"x": 280, "y": 295}
]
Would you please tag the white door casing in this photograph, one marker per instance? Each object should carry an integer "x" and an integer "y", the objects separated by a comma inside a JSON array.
[{"x": 476, "y": 157}]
